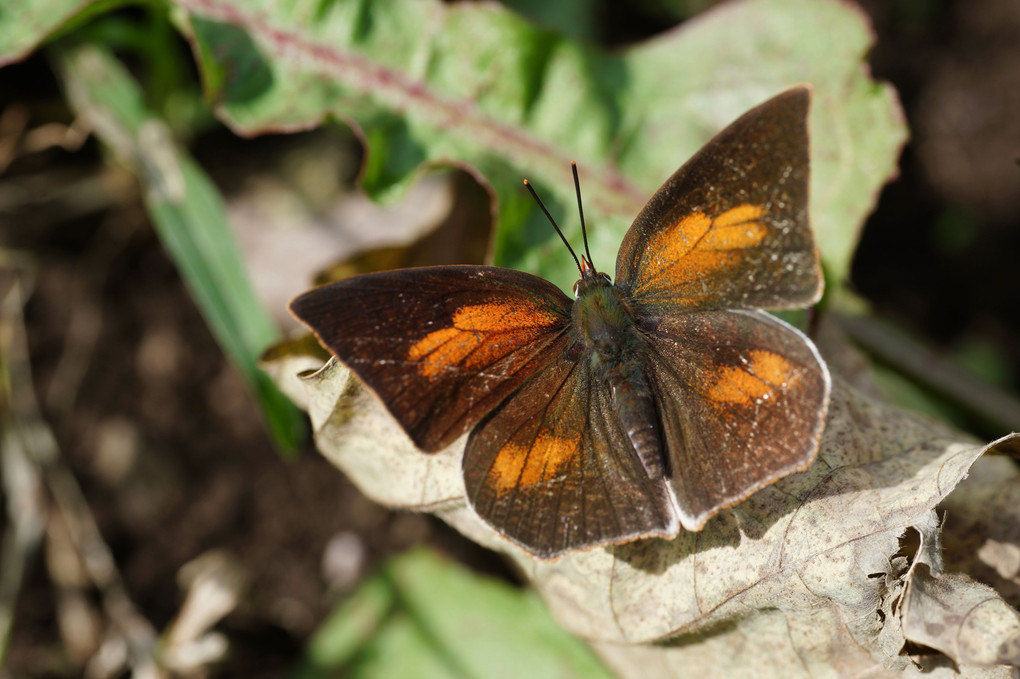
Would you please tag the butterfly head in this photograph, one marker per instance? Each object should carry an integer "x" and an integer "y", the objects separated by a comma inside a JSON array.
[{"x": 590, "y": 278}]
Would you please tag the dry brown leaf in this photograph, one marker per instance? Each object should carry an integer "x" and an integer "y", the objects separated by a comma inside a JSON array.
[
  {"x": 982, "y": 529},
  {"x": 802, "y": 579},
  {"x": 963, "y": 619}
]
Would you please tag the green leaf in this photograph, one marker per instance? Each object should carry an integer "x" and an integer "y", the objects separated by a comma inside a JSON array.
[
  {"x": 350, "y": 626},
  {"x": 26, "y": 24},
  {"x": 424, "y": 616},
  {"x": 576, "y": 19},
  {"x": 189, "y": 217},
  {"x": 473, "y": 84}
]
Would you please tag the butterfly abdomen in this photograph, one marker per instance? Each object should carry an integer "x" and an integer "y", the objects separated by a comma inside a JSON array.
[{"x": 635, "y": 406}]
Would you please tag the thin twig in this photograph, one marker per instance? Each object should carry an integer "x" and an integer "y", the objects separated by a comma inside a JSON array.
[
  {"x": 37, "y": 440},
  {"x": 927, "y": 367},
  {"x": 22, "y": 484}
]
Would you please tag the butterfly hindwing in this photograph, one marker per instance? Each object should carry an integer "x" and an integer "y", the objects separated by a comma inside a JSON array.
[
  {"x": 552, "y": 469},
  {"x": 729, "y": 229},
  {"x": 742, "y": 403},
  {"x": 439, "y": 345}
]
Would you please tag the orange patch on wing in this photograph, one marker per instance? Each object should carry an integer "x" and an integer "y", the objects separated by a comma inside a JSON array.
[
  {"x": 668, "y": 247},
  {"x": 736, "y": 385},
  {"x": 431, "y": 342},
  {"x": 736, "y": 229},
  {"x": 457, "y": 346},
  {"x": 441, "y": 350},
  {"x": 773, "y": 368},
  {"x": 739, "y": 215},
  {"x": 758, "y": 380},
  {"x": 697, "y": 245},
  {"x": 520, "y": 467}
]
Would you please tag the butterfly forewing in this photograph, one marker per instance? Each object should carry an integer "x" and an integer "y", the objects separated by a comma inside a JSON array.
[
  {"x": 441, "y": 346},
  {"x": 744, "y": 403},
  {"x": 552, "y": 469},
  {"x": 729, "y": 229}
]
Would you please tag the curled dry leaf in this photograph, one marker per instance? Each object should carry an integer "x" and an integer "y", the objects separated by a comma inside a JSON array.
[
  {"x": 982, "y": 529},
  {"x": 963, "y": 619},
  {"x": 805, "y": 578}
]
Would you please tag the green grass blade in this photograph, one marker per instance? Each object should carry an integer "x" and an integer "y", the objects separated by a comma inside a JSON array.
[
  {"x": 424, "y": 616},
  {"x": 189, "y": 216}
]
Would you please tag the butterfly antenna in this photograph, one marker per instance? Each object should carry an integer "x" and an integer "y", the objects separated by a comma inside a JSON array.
[
  {"x": 580, "y": 211},
  {"x": 553, "y": 222}
]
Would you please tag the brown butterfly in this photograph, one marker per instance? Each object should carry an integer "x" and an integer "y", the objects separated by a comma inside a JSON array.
[{"x": 638, "y": 406}]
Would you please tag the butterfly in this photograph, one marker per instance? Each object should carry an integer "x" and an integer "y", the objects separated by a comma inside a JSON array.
[{"x": 646, "y": 403}]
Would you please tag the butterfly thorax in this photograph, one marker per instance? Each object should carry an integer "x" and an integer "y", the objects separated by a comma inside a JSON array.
[{"x": 602, "y": 320}]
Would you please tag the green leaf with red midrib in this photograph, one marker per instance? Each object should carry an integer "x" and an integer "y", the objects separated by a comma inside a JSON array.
[{"x": 478, "y": 86}]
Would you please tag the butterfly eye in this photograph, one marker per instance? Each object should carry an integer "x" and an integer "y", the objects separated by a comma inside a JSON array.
[
  {"x": 606, "y": 277},
  {"x": 576, "y": 285}
]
